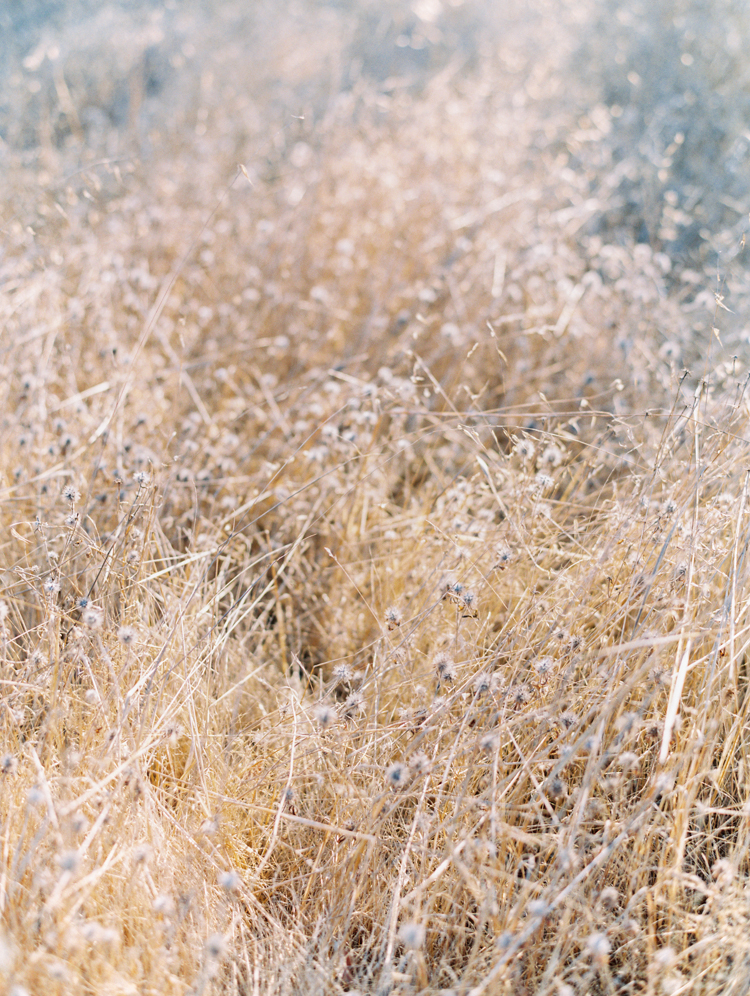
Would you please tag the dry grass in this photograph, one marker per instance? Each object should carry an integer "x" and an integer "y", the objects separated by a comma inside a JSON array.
[{"x": 374, "y": 598}]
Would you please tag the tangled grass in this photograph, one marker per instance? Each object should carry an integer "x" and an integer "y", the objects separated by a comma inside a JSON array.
[{"x": 374, "y": 591}]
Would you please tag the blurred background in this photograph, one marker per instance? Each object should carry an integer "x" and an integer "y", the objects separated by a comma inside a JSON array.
[{"x": 658, "y": 91}]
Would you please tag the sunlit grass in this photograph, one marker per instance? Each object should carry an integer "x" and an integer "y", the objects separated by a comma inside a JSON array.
[{"x": 374, "y": 601}]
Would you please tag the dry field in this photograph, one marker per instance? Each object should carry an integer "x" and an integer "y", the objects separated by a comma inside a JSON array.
[{"x": 374, "y": 500}]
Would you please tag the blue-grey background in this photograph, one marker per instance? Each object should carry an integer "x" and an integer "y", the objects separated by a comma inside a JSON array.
[{"x": 101, "y": 78}]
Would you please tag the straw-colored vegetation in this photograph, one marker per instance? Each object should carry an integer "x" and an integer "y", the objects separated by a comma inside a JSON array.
[{"x": 374, "y": 518}]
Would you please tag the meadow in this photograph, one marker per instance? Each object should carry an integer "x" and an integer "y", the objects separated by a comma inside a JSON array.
[{"x": 374, "y": 499}]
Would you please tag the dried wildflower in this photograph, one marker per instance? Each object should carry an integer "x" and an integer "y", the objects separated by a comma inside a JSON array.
[
  {"x": 609, "y": 898},
  {"x": 398, "y": 655},
  {"x": 504, "y": 940},
  {"x": 653, "y": 731},
  {"x": 469, "y": 604},
  {"x": 503, "y": 556},
  {"x": 71, "y": 494},
  {"x": 172, "y": 734},
  {"x": 37, "y": 658},
  {"x": 397, "y": 775},
  {"x": 72, "y": 520},
  {"x": 411, "y": 935},
  {"x": 454, "y": 591},
  {"x": 543, "y": 666},
  {"x": 612, "y": 783},
  {"x": 519, "y": 694},
  {"x": 353, "y": 706},
  {"x": 230, "y": 881},
  {"x": 525, "y": 449},
  {"x": 599, "y": 947},
  {"x": 543, "y": 483},
  {"x": 392, "y": 618},
  {"x": 552, "y": 456},
  {"x": 51, "y": 587},
  {"x": 69, "y": 861},
  {"x": 126, "y": 635},
  {"x": 141, "y": 478},
  {"x": 35, "y": 797},
  {"x": 482, "y": 683},
  {"x": 591, "y": 743},
  {"x": 664, "y": 960},
  {"x": 163, "y": 905},
  {"x": 723, "y": 872},
  {"x": 489, "y": 743},
  {"x": 96, "y": 934},
  {"x": 92, "y": 617},
  {"x": 215, "y": 946},
  {"x": 418, "y": 717},
  {"x": 210, "y": 826},
  {"x": 445, "y": 668},
  {"x": 420, "y": 764},
  {"x": 679, "y": 574},
  {"x": 325, "y": 716},
  {"x": 557, "y": 789},
  {"x": 660, "y": 676},
  {"x": 700, "y": 812},
  {"x": 142, "y": 854},
  {"x": 8, "y": 764},
  {"x": 342, "y": 674},
  {"x": 629, "y": 761}
]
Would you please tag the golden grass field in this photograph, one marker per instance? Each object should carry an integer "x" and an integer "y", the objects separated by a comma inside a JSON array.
[{"x": 375, "y": 512}]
